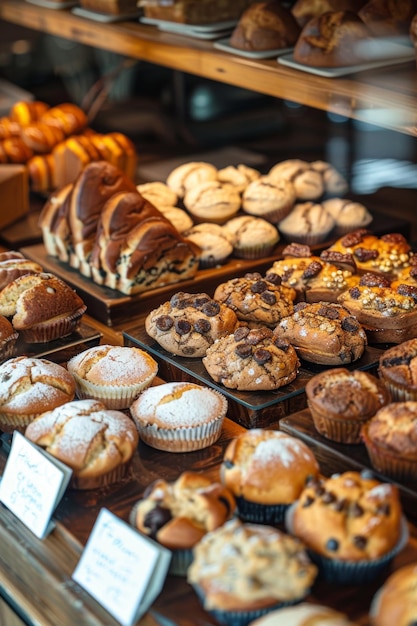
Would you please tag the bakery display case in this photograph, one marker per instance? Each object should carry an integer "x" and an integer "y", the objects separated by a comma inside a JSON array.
[{"x": 36, "y": 575}]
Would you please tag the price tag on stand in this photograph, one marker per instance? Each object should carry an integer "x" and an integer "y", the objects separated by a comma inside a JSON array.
[
  {"x": 122, "y": 569},
  {"x": 32, "y": 484}
]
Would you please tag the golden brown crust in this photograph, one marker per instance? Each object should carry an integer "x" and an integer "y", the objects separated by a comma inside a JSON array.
[
  {"x": 398, "y": 366},
  {"x": 267, "y": 466},
  {"x": 333, "y": 39},
  {"x": 30, "y": 386},
  {"x": 395, "y": 601},
  {"x": 393, "y": 428},
  {"x": 304, "y": 10},
  {"x": 255, "y": 298},
  {"x": 349, "y": 517},
  {"x": 191, "y": 12},
  {"x": 87, "y": 436},
  {"x": 265, "y": 26},
  {"x": 25, "y": 113},
  {"x": 388, "y": 18},
  {"x": 323, "y": 332}
]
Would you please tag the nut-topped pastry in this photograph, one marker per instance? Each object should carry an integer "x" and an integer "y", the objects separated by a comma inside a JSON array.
[
  {"x": 388, "y": 315},
  {"x": 313, "y": 278},
  {"x": 254, "y": 298},
  {"x": 188, "y": 324},
  {"x": 252, "y": 360},
  {"x": 387, "y": 255},
  {"x": 324, "y": 333}
]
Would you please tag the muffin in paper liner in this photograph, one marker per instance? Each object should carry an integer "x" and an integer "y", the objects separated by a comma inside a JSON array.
[
  {"x": 181, "y": 439},
  {"x": 114, "y": 375},
  {"x": 351, "y": 572},
  {"x": 240, "y": 618},
  {"x": 340, "y": 430},
  {"x": 179, "y": 416},
  {"x": 53, "y": 329},
  {"x": 388, "y": 463},
  {"x": 9, "y": 423},
  {"x": 255, "y": 251},
  {"x": 260, "y": 513},
  {"x": 8, "y": 346},
  {"x": 114, "y": 397},
  {"x": 84, "y": 483}
]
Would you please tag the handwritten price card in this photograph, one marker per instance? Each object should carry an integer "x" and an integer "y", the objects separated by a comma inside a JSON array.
[
  {"x": 123, "y": 570},
  {"x": 32, "y": 484}
]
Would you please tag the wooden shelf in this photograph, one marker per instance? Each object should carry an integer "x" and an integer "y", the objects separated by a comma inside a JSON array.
[{"x": 385, "y": 97}]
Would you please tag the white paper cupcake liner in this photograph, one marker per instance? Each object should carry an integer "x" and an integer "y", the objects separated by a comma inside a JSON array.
[
  {"x": 114, "y": 397},
  {"x": 181, "y": 439}
]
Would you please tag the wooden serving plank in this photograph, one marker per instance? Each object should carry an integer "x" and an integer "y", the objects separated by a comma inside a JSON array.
[
  {"x": 336, "y": 457},
  {"x": 112, "y": 307}
]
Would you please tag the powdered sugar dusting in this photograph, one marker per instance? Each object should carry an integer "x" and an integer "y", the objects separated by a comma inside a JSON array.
[{"x": 285, "y": 449}]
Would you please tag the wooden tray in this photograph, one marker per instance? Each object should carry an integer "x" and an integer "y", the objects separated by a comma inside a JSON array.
[
  {"x": 345, "y": 456},
  {"x": 112, "y": 307},
  {"x": 250, "y": 409}
]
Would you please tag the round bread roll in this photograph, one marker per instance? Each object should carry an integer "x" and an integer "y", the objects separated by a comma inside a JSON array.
[{"x": 265, "y": 26}]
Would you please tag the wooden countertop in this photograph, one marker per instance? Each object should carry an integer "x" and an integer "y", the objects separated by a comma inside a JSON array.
[{"x": 385, "y": 96}]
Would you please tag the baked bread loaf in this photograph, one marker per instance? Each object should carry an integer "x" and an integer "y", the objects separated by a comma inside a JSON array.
[
  {"x": 266, "y": 470},
  {"x": 387, "y": 255},
  {"x": 251, "y": 360},
  {"x": 323, "y": 333},
  {"x": 304, "y": 10},
  {"x": 24, "y": 112},
  {"x": 191, "y": 12},
  {"x": 314, "y": 279},
  {"x": 187, "y": 324},
  {"x": 265, "y": 26},
  {"x": 136, "y": 248},
  {"x": 179, "y": 416},
  {"x": 29, "y": 387},
  {"x": 390, "y": 439},
  {"x": 395, "y": 602},
  {"x": 341, "y": 401},
  {"x": 96, "y": 443},
  {"x": 254, "y": 298},
  {"x": 387, "y": 315},
  {"x": 41, "y": 173},
  {"x": 348, "y": 517},
  {"x": 42, "y": 307},
  {"x": 114, "y": 375},
  {"x": 333, "y": 39},
  {"x": 388, "y": 19},
  {"x": 244, "y": 568},
  {"x": 178, "y": 514}
]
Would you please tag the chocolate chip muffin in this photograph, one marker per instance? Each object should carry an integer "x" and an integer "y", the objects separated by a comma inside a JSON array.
[
  {"x": 252, "y": 360},
  {"x": 323, "y": 333},
  {"x": 351, "y": 522},
  {"x": 188, "y": 324},
  {"x": 263, "y": 300},
  {"x": 178, "y": 514}
]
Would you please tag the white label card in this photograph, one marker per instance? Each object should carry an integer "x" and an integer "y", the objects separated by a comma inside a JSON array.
[
  {"x": 32, "y": 484},
  {"x": 122, "y": 569}
]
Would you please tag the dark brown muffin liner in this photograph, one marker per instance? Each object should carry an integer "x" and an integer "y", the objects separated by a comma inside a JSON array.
[
  {"x": 257, "y": 513},
  {"x": 50, "y": 330},
  {"x": 339, "y": 430},
  {"x": 386, "y": 462}
]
